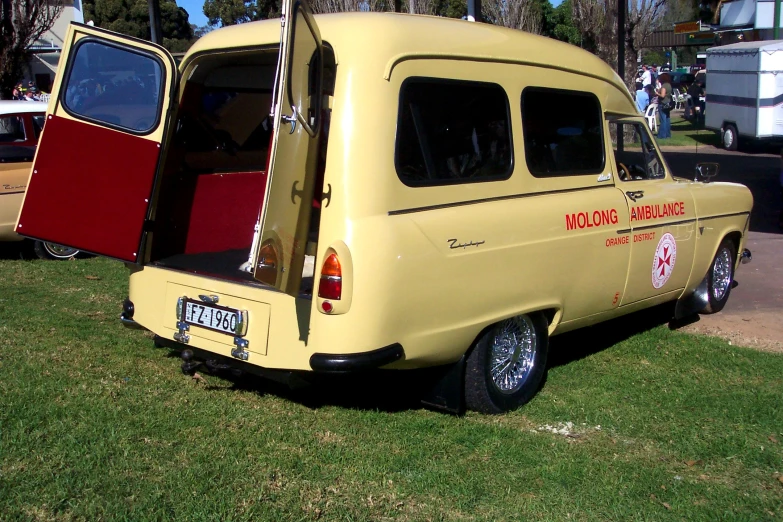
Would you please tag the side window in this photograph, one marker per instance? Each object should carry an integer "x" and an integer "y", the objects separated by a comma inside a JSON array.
[
  {"x": 634, "y": 152},
  {"x": 11, "y": 129},
  {"x": 452, "y": 131},
  {"x": 563, "y": 132},
  {"x": 38, "y": 124},
  {"x": 115, "y": 86}
]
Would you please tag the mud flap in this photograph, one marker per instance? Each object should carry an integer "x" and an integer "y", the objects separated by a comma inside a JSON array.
[
  {"x": 445, "y": 390},
  {"x": 693, "y": 303}
]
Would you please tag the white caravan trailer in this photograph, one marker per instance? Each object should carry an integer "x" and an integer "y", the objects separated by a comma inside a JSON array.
[{"x": 745, "y": 91}]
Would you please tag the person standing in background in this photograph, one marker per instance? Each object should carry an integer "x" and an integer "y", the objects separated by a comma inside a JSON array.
[
  {"x": 646, "y": 76},
  {"x": 664, "y": 94},
  {"x": 642, "y": 98}
]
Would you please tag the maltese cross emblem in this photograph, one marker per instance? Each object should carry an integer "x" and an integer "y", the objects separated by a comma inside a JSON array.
[{"x": 663, "y": 261}]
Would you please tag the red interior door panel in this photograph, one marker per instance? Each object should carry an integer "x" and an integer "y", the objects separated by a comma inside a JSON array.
[{"x": 90, "y": 188}]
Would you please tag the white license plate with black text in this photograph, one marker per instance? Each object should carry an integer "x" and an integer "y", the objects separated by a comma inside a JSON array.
[{"x": 213, "y": 317}]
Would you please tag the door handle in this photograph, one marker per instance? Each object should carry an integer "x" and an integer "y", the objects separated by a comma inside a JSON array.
[{"x": 633, "y": 195}]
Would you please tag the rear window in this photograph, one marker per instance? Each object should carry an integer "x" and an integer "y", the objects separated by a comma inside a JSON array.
[
  {"x": 563, "y": 132},
  {"x": 451, "y": 131},
  {"x": 11, "y": 129},
  {"x": 38, "y": 124},
  {"x": 114, "y": 86}
]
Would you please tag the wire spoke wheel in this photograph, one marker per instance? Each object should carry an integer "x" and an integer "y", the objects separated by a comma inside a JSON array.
[
  {"x": 720, "y": 277},
  {"x": 59, "y": 251},
  {"x": 721, "y": 274},
  {"x": 507, "y": 364},
  {"x": 513, "y": 354},
  {"x": 53, "y": 251}
]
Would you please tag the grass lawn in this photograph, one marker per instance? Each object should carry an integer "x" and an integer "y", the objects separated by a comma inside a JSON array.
[
  {"x": 686, "y": 134},
  {"x": 97, "y": 424}
]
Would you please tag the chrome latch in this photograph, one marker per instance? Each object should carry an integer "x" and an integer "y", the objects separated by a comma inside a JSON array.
[
  {"x": 239, "y": 352},
  {"x": 291, "y": 120},
  {"x": 181, "y": 336}
]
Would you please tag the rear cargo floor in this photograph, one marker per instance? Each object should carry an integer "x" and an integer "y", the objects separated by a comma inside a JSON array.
[{"x": 225, "y": 265}]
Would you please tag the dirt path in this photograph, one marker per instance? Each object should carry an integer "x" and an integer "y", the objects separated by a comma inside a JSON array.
[{"x": 754, "y": 314}]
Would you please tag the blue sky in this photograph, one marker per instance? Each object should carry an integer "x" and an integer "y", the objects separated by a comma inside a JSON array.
[{"x": 196, "y": 13}]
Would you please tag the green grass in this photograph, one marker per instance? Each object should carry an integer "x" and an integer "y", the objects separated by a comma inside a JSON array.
[
  {"x": 97, "y": 424},
  {"x": 687, "y": 134}
]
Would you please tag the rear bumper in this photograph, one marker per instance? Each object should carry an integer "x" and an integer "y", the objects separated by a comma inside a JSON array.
[
  {"x": 353, "y": 362},
  {"x": 130, "y": 323}
]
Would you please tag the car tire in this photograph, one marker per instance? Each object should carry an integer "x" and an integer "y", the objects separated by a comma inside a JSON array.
[
  {"x": 720, "y": 277},
  {"x": 53, "y": 251},
  {"x": 729, "y": 137},
  {"x": 522, "y": 343}
]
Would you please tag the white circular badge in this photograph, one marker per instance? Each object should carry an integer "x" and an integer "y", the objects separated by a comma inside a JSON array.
[{"x": 663, "y": 262}]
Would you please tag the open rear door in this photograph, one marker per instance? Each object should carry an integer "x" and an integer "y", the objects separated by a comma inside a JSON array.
[
  {"x": 95, "y": 167},
  {"x": 285, "y": 214}
]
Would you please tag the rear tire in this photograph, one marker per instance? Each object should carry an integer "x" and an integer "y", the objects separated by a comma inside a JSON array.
[
  {"x": 507, "y": 365},
  {"x": 720, "y": 277},
  {"x": 53, "y": 251},
  {"x": 730, "y": 138}
]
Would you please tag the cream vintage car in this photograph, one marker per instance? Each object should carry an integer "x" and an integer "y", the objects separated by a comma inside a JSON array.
[
  {"x": 21, "y": 123},
  {"x": 375, "y": 190}
]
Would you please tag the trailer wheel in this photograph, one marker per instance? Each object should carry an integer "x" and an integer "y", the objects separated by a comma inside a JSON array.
[
  {"x": 730, "y": 138},
  {"x": 507, "y": 365}
]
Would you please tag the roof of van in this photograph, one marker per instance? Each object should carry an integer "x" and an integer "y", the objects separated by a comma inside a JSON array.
[
  {"x": 392, "y": 36},
  {"x": 763, "y": 45},
  {"x": 21, "y": 106}
]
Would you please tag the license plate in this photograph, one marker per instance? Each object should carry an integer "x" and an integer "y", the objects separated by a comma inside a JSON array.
[{"x": 213, "y": 317}]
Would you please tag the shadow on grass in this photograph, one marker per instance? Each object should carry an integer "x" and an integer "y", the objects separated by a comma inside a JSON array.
[
  {"x": 396, "y": 391},
  {"x": 14, "y": 250},
  {"x": 381, "y": 390},
  {"x": 578, "y": 344}
]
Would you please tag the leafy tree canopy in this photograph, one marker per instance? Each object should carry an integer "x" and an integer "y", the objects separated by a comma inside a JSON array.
[
  {"x": 131, "y": 17},
  {"x": 230, "y": 12},
  {"x": 560, "y": 24}
]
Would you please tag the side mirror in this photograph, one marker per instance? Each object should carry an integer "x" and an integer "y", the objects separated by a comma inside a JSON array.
[{"x": 706, "y": 171}]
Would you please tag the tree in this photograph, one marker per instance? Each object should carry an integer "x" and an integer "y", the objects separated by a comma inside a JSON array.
[
  {"x": 22, "y": 22},
  {"x": 229, "y": 12},
  {"x": 597, "y": 20},
  {"x": 132, "y": 17},
  {"x": 341, "y": 6},
  {"x": 527, "y": 15},
  {"x": 560, "y": 26}
]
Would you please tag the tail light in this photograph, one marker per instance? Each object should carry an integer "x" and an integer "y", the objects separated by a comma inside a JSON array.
[
  {"x": 331, "y": 284},
  {"x": 266, "y": 269}
]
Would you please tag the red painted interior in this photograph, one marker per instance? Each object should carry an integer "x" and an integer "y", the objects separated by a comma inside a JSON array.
[
  {"x": 224, "y": 211},
  {"x": 90, "y": 188}
]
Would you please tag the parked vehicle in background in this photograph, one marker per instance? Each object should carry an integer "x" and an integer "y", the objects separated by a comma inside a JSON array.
[
  {"x": 701, "y": 63},
  {"x": 744, "y": 92},
  {"x": 21, "y": 123},
  {"x": 446, "y": 195},
  {"x": 681, "y": 80}
]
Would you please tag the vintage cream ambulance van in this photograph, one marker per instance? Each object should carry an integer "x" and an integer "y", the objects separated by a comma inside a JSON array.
[{"x": 374, "y": 190}]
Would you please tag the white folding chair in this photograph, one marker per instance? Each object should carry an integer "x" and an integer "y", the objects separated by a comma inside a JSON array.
[
  {"x": 679, "y": 99},
  {"x": 649, "y": 115}
]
